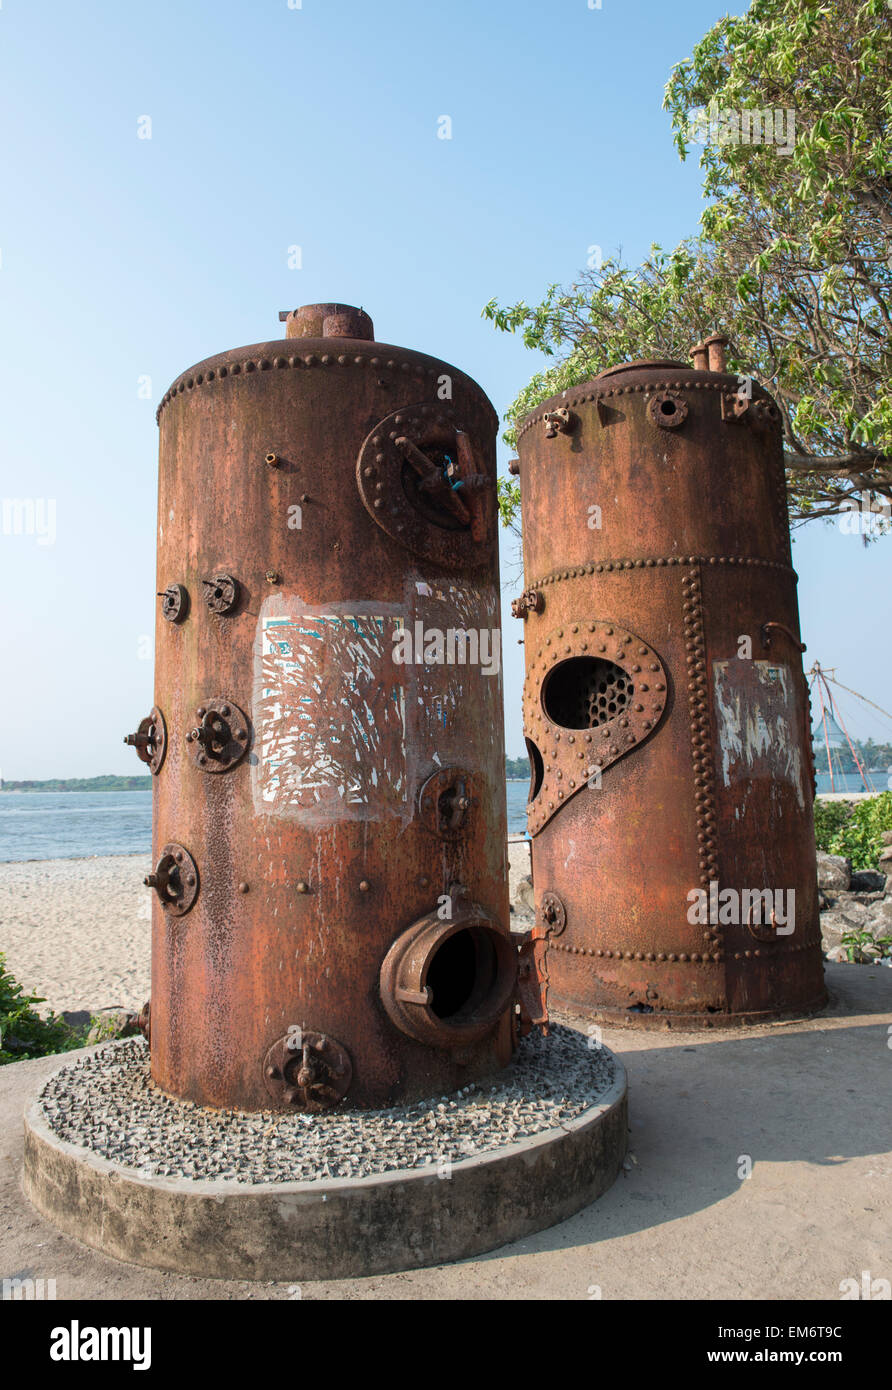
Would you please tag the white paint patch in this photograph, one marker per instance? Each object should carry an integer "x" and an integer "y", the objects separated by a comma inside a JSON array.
[
  {"x": 758, "y": 724},
  {"x": 330, "y": 714}
]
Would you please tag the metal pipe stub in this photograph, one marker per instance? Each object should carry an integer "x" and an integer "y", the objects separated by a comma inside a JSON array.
[{"x": 448, "y": 982}]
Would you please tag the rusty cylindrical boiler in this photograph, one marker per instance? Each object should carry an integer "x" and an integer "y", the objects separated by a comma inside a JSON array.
[
  {"x": 665, "y": 707},
  {"x": 331, "y": 914}
]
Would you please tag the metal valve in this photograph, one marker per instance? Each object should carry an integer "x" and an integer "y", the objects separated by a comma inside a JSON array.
[
  {"x": 150, "y": 740},
  {"x": 220, "y": 738}
]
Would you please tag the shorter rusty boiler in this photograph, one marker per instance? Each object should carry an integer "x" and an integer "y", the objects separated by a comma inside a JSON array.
[
  {"x": 330, "y": 917},
  {"x": 665, "y": 707}
]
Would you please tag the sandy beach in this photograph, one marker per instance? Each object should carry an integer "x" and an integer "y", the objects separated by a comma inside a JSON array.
[{"x": 78, "y": 931}]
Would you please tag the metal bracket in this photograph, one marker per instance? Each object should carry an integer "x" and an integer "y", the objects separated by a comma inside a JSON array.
[{"x": 765, "y": 634}]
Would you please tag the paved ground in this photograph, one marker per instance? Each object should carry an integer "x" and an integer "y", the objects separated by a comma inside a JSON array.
[{"x": 809, "y": 1103}]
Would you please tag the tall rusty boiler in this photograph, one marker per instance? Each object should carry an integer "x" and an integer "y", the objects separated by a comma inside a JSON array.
[
  {"x": 330, "y": 916},
  {"x": 665, "y": 707}
]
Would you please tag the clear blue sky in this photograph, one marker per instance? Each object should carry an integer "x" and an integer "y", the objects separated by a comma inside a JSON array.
[{"x": 316, "y": 126}]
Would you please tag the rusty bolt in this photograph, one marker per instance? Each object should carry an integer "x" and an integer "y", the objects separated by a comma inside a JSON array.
[
  {"x": 272, "y": 460},
  {"x": 364, "y": 885},
  {"x": 514, "y": 467},
  {"x": 272, "y": 576},
  {"x": 243, "y": 888},
  {"x": 303, "y": 886}
]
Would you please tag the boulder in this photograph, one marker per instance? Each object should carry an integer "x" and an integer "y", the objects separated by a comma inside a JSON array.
[
  {"x": 833, "y": 928},
  {"x": 867, "y": 881},
  {"x": 834, "y": 873},
  {"x": 523, "y": 896},
  {"x": 887, "y": 837}
]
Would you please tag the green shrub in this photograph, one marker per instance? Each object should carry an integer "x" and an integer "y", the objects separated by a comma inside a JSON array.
[
  {"x": 23, "y": 1033},
  {"x": 859, "y": 836},
  {"x": 830, "y": 817}
]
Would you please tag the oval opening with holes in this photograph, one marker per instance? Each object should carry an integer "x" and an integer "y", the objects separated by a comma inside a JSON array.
[{"x": 584, "y": 691}]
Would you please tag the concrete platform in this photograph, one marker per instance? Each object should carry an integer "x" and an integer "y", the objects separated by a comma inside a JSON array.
[
  {"x": 809, "y": 1104},
  {"x": 330, "y": 1227}
]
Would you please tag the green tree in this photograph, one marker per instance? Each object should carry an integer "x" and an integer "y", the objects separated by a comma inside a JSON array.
[{"x": 794, "y": 255}]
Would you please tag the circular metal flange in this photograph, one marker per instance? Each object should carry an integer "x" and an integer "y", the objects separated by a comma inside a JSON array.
[
  {"x": 220, "y": 736},
  {"x": 482, "y": 982},
  {"x": 667, "y": 410},
  {"x": 446, "y": 801},
  {"x": 175, "y": 879},
  {"x": 221, "y": 593},
  {"x": 552, "y": 913},
  {"x": 174, "y": 603},
  {"x": 573, "y": 755},
  {"x": 307, "y": 1071},
  {"x": 150, "y": 740},
  {"x": 401, "y": 476}
]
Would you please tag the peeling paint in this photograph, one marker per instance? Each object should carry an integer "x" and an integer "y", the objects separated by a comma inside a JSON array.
[{"x": 758, "y": 723}]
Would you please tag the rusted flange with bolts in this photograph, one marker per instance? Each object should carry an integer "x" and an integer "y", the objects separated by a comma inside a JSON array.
[
  {"x": 421, "y": 480},
  {"x": 667, "y": 410},
  {"x": 307, "y": 1071},
  {"x": 445, "y": 802},
  {"x": 174, "y": 603},
  {"x": 560, "y": 421},
  {"x": 150, "y": 740},
  {"x": 531, "y": 601},
  {"x": 552, "y": 914},
  {"x": 221, "y": 593},
  {"x": 220, "y": 736},
  {"x": 175, "y": 879}
]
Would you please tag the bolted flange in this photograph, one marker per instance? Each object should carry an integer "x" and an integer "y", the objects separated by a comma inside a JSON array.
[
  {"x": 175, "y": 879},
  {"x": 221, "y": 593},
  {"x": 174, "y": 603},
  {"x": 446, "y": 801},
  {"x": 307, "y": 1071},
  {"x": 150, "y": 740},
  {"x": 220, "y": 736}
]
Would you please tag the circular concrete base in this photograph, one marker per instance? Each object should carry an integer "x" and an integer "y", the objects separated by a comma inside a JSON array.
[{"x": 333, "y": 1228}]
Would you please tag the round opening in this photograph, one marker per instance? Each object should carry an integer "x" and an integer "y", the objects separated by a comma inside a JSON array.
[
  {"x": 667, "y": 407},
  {"x": 584, "y": 692},
  {"x": 462, "y": 974}
]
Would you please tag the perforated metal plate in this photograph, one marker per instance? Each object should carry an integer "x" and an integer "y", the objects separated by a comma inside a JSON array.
[{"x": 593, "y": 693}]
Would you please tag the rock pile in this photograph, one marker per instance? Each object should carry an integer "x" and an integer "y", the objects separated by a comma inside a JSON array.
[{"x": 859, "y": 901}]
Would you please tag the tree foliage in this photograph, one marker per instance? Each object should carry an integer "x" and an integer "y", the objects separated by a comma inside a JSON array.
[{"x": 793, "y": 259}]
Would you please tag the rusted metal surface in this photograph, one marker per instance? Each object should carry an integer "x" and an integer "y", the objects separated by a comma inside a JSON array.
[
  {"x": 665, "y": 706},
  {"x": 315, "y": 853}
]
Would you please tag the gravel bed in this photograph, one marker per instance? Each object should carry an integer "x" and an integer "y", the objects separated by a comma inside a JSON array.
[{"x": 107, "y": 1102}]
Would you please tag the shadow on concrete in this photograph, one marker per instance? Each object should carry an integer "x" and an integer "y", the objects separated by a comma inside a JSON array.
[{"x": 817, "y": 1092}]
